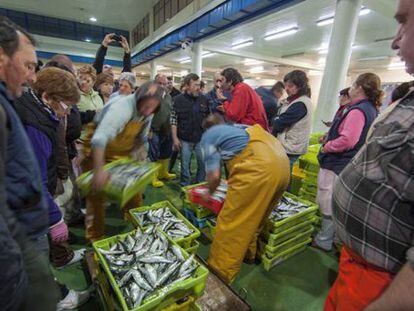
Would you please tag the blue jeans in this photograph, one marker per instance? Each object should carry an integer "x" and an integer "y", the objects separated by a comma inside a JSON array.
[
  {"x": 187, "y": 150},
  {"x": 160, "y": 146}
]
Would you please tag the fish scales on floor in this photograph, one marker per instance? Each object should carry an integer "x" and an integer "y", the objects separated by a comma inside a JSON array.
[
  {"x": 287, "y": 207},
  {"x": 145, "y": 263},
  {"x": 166, "y": 220}
]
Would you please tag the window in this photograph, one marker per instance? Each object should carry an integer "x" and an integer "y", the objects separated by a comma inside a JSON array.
[
  {"x": 141, "y": 31},
  {"x": 163, "y": 10}
]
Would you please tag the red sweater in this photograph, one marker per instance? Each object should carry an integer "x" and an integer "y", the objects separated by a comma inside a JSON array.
[{"x": 246, "y": 107}]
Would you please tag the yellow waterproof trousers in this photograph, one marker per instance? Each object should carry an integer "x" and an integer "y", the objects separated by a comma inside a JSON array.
[
  {"x": 258, "y": 176},
  {"x": 121, "y": 146}
]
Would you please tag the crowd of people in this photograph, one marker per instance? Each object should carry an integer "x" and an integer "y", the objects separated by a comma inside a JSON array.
[{"x": 57, "y": 121}]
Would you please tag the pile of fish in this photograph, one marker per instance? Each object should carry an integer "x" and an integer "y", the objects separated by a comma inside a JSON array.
[
  {"x": 145, "y": 264},
  {"x": 124, "y": 175},
  {"x": 287, "y": 207},
  {"x": 166, "y": 220},
  {"x": 218, "y": 195}
]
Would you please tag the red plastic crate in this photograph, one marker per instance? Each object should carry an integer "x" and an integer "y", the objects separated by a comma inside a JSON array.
[{"x": 212, "y": 204}]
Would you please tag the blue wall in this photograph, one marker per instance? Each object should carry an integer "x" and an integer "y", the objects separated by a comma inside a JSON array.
[{"x": 80, "y": 59}]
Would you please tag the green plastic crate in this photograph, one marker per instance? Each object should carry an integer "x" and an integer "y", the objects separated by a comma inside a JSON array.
[
  {"x": 273, "y": 239},
  {"x": 114, "y": 195},
  {"x": 193, "y": 248},
  {"x": 169, "y": 295},
  {"x": 269, "y": 263},
  {"x": 284, "y": 224},
  {"x": 314, "y": 138},
  {"x": 184, "y": 190},
  {"x": 273, "y": 251},
  {"x": 200, "y": 211},
  {"x": 308, "y": 196},
  {"x": 183, "y": 242}
]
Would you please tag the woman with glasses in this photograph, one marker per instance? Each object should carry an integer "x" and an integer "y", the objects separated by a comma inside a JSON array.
[{"x": 40, "y": 109}]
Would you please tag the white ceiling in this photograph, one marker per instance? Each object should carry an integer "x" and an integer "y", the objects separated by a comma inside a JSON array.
[
  {"x": 121, "y": 14},
  {"x": 300, "y": 49}
]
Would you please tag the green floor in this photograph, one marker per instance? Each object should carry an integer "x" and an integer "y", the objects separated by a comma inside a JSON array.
[{"x": 300, "y": 283}]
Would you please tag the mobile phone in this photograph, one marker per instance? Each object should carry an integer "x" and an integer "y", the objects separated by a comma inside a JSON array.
[{"x": 117, "y": 38}]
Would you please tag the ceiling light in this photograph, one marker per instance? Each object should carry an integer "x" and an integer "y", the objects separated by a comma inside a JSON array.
[
  {"x": 185, "y": 60},
  {"x": 184, "y": 72},
  {"x": 323, "y": 51},
  {"x": 372, "y": 58},
  {"x": 282, "y": 33},
  {"x": 242, "y": 44},
  {"x": 322, "y": 60},
  {"x": 161, "y": 67},
  {"x": 396, "y": 65},
  {"x": 313, "y": 73},
  {"x": 87, "y": 40},
  {"x": 143, "y": 73},
  {"x": 256, "y": 69},
  {"x": 325, "y": 21},
  {"x": 93, "y": 19},
  {"x": 364, "y": 11},
  {"x": 251, "y": 62},
  {"x": 208, "y": 54}
]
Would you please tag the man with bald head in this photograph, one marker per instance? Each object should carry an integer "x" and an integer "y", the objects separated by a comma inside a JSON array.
[
  {"x": 373, "y": 204},
  {"x": 160, "y": 139},
  {"x": 212, "y": 98}
]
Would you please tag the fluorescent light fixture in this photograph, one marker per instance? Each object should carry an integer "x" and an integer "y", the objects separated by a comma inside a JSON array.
[
  {"x": 252, "y": 62},
  {"x": 323, "y": 21},
  {"x": 322, "y": 60},
  {"x": 161, "y": 67},
  {"x": 208, "y": 54},
  {"x": 323, "y": 51},
  {"x": 396, "y": 65},
  {"x": 327, "y": 20},
  {"x": 256, "y": 69},
  {"x": 87, "y": 40},
  {"x": 185, "y": 60},
  {"x": 242, "y": 44},
  {"x": 184, "y": 72},
  {"x": 364, "y": 11},
  {"x": 372, "y": 58},
  {"x": 93, "y": 19},
  {"x": 313, "y": 73},
  {"x": 281, "y": 33},
  {"x": 143, "y": 73}
]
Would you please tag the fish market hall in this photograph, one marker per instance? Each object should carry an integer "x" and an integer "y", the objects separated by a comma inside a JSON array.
[{"x": 180, "y": 155}]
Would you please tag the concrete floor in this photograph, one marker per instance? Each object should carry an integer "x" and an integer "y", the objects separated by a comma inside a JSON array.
[{"x": 300, "y": 283}]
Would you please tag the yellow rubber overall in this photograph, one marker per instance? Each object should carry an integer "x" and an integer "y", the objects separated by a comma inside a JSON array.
[
  {"x": 258, "y": 176},
  {"x": 121, "y": 146}
]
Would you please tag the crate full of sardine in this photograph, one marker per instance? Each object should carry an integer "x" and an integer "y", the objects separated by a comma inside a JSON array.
[
  {"x": 168, "y": 219},
  {"x": 126, "y": 179},
  {"x": 148, "y": 271},
  {"x": 289, "y": 212}
]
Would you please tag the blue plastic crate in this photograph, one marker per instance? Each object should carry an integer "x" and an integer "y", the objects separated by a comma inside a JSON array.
[{"x": 191, "y": 216}]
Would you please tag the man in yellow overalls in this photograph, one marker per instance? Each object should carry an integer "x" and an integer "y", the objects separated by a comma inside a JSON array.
[
  {"x": 119, "y": 131},
  {"x": 258, "y": 175}
]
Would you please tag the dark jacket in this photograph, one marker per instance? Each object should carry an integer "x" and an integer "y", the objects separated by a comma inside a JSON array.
[
  {"x": 269, "y": 101},
  {"x": 73, "y": 131},
  {"x": 174, "y": 92},
  {"x": 23, "y": 182},
  {"x": 13, "y": 277},
  {"x": 41, "y": 126},
  {"x": 33, "y": 113},
  {"x": 190, "y": 112},
  {"x": 213, "y": 100},
  {"x": 100, "y": 58},
  {"x": 336, "y": 162}
]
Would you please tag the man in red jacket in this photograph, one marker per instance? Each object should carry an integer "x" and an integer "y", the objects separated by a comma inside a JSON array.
[{"x": 245, "y": 107}]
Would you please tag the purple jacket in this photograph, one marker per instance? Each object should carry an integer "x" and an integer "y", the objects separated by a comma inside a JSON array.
[{"x": 43, "y": 149}]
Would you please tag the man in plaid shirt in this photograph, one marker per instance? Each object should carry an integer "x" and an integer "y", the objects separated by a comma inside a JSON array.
[{"x": 373, "y": 205}]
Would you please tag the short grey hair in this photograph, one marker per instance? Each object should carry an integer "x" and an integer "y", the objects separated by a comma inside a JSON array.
[{"x": 129, "y": 77}]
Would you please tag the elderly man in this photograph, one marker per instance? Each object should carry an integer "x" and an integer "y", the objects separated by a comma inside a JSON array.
[
  {"x": 373, "y": 205},
  {"x": 160, "y": 139}
]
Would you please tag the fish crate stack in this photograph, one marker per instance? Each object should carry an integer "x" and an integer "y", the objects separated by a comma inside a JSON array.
[
  {"x": 147, "y": 270},
  {"x": 170, "y": 221},
  {"x": 309, "y": 166},
  {"x": 195, "y": 212},
  {"x": 287, "y": 231}
]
